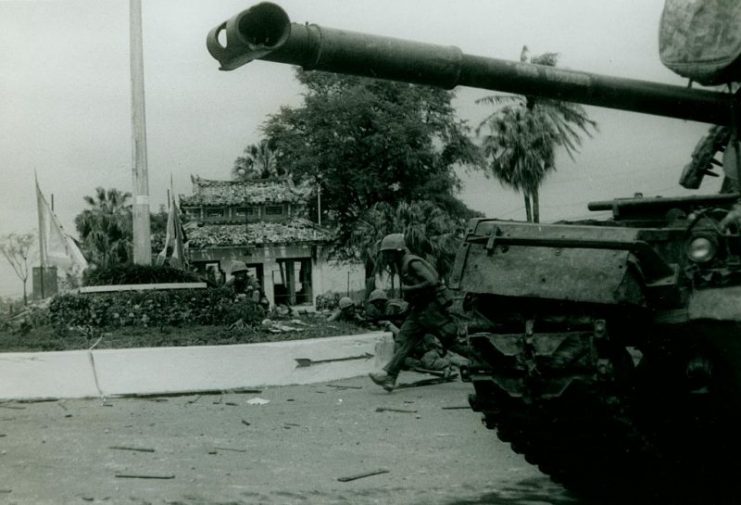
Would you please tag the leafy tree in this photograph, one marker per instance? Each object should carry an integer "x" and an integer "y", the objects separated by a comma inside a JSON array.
[
  {"x": 105, "y": 229},
  {"x": 16, "y": 249},
  {"x": 429, "y": 231},
  {"x": 523, "y": 136},
  {"x": 366, "y": 141},
  {"x": 259, "y": 161}
]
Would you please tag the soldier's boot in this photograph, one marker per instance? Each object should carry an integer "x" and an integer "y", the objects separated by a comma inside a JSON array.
[{"x": 384, "y": 380}]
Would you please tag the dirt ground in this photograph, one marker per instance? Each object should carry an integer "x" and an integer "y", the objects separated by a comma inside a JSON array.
[{"x": 220, "y": 449}]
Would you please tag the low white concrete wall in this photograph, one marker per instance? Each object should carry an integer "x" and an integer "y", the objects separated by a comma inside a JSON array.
[{"x": 167, "y": 370}]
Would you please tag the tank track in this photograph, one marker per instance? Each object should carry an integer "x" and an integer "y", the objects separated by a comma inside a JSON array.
[{"x": 589, "y": 437}]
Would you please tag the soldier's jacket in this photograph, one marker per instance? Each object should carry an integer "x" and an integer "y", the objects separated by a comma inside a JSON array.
[{"x": 410, "y": 276}]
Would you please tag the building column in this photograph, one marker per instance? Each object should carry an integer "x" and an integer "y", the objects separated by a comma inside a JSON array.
[
  {"x": 317, "y": 273},
  {"x": 268, "y": 265}
]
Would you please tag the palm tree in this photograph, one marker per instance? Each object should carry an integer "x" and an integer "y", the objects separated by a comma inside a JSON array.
[
  {"x": 105, "y": 228},
  {"x": 259, "y": 161},
  {"x": 112, "y": 201},
  {"x": 523, "y": 135}
]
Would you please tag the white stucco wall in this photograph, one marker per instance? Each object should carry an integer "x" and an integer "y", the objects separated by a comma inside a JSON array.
[{"x": 335, "y": 277}]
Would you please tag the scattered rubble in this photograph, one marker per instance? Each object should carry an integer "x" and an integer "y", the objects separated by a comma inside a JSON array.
[
  {"x": 230, "y": 448},
  {"x": 362, "y": 475},
  {"x": 134, "y": 476},
  {"x": 392, "y": 409},
  {"x": 126, "y": 448}
]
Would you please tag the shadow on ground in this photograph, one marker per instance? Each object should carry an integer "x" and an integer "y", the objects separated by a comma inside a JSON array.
[{"x": 533, "y": 491}]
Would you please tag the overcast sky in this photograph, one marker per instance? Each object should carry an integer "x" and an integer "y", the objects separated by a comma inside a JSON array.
[{"x": 65, "y": 95}]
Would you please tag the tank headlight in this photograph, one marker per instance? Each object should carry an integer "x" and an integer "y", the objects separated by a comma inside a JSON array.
[{"x": 701, "y": 249}]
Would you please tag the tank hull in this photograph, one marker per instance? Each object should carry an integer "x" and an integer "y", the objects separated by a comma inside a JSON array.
[{"x": 600, "y": 362}]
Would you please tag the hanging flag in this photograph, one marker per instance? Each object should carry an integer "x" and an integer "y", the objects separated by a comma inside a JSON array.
[
  {"x": 174, "y": 238},
  {"x": 55, "y": 246}
]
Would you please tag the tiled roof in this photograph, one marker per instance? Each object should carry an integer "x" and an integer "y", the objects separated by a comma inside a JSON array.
[
  {"x": 258, "y": 191},
  {"x": 226, "y": 235}
]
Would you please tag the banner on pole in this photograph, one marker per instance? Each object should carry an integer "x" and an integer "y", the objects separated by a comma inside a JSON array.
[{"x": 56, "y": 247}]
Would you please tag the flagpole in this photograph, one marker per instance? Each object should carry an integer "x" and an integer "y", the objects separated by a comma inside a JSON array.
[
  {"x": 42, "y": 235},
  {"x": 141, "y": 228}
]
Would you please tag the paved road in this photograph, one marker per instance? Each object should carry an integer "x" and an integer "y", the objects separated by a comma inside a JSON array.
[{"x": 219, "y": 449}]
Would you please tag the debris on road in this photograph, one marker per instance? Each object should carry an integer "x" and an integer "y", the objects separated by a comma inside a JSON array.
[
  {"x": 246, "y": 423},
  {"x": 257, "y": 401},
  {"x": 231, "y": 404},
  {"x": 126, "y": 448},
  {"x": 391, "y": 409},
  {"x": 304, "y": 362},
  {"x": 362, "y": 475},
  {"x": 458, "y": 407},
  {"x": 134, "y": 476},
  {"x": 230, "y": 448},
  {"x": 340, "y": 386}
]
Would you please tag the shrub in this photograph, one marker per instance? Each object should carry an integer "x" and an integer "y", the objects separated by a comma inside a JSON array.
[
  {"x": 136, "y": 274},
  {"x": 151, "y": 308}
]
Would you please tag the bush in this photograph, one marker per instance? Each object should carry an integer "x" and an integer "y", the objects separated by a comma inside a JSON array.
[
  {"x": 152, "y": 308},
  {"x": 136, "y": 274}
]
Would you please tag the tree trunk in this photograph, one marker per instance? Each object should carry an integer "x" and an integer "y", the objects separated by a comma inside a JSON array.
[
  {"x": 528, "y": 211},
  {"x": 370, "y": 277},
  {"x": 25, "y": 295},
  {"x": 536, "y": 205}
]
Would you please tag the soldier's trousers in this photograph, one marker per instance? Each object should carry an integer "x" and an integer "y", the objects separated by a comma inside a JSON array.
[{"x": 422, "y": 319}]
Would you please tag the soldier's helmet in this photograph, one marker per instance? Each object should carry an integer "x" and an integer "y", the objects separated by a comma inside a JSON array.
[
  {"x": 238, "y": 266},
  {"x": 393, "y": 242},
  {"x": 376, "y": 295},
  {"x": 345, "y": 302}
]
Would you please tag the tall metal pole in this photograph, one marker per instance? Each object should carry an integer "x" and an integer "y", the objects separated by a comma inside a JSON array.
[
  {"x": 42, "y": 241},
  {"x": 141, "y": 231}
]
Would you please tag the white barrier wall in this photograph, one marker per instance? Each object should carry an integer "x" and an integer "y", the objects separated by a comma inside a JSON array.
[{"x": 167, "y": 370}]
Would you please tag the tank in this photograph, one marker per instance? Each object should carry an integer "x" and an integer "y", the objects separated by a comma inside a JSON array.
[{"x": 608, "y": 352}]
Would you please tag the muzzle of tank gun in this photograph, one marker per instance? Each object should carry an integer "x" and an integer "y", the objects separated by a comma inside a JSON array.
[
  {"x": 265, "y": 32},
  {"x": 250, "y": 35}
]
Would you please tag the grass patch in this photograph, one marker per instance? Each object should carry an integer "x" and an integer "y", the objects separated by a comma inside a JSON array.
[{"x": 43, "y": 338}]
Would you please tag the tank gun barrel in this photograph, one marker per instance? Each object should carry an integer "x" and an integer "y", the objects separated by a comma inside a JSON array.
[{"x": 265, "y": 32}]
